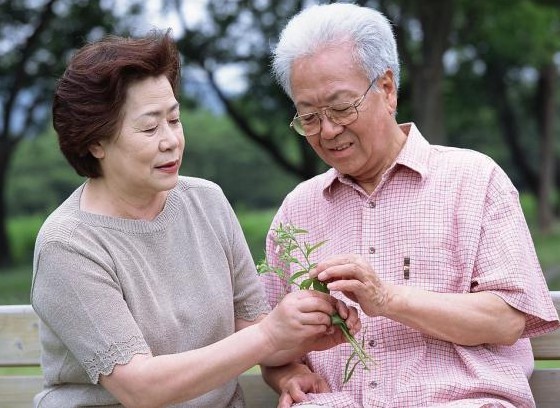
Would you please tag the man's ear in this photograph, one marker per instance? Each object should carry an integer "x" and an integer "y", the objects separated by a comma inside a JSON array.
[
  {"x": 97, "y": 150},
  {"x": 388, "y": 88}
]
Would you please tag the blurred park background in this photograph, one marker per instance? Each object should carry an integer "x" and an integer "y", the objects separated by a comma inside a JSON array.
[{"x": 477, "y": 74}]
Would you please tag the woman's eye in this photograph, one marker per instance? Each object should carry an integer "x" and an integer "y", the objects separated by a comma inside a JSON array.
[{"x": 175, "y": 121}]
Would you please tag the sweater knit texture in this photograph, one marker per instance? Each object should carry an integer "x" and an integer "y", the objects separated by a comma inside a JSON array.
[{"x": 108, "y": 288}]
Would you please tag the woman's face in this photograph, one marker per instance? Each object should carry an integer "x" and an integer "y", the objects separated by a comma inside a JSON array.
[{"x": 144, "y": 158}]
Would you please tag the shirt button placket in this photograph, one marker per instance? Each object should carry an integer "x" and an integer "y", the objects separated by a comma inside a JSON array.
[
  {"x": 372, "y": 384},
  {"x": 368, "y": 220}
]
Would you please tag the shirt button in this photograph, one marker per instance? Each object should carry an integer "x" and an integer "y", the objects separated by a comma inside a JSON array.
[
  {"x": 373, "y": 384},
  {"x": 372, "y": 343},
  {"x": 371, "y": 204},
  {"x": 371, "y": 250}
]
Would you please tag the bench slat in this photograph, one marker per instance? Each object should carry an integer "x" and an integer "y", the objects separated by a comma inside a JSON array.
[
  {"x": 19, "y": 336},
  {"x": 257, "y": 393},
  {"x": 20, "y": 346},
  {"x": 547, "y": 347},
  {"x": 18, "y": 391},
  {"x": 545, "y": 384}
]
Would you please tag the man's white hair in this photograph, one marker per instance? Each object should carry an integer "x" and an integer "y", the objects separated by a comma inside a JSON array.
[{"x": 369, "y": 31}]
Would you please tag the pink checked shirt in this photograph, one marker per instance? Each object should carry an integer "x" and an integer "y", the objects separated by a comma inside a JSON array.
[{"x": 456, "y": 216}]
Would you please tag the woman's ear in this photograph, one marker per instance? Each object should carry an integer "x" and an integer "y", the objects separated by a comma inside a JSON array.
[{"x": 96, "y": 149}]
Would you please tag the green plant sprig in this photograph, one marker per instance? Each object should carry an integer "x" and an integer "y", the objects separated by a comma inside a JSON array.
[{"x": 287, "y": 242}]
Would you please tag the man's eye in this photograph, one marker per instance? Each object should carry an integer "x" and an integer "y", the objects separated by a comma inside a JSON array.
[
  {"x": 342, "y": 108},
  {"x": 307, "y": 119}
]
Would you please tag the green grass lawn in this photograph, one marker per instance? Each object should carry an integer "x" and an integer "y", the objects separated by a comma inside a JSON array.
[
  {"x": 15, "y": 285},
  {"x": 20, "y": 371},
  {"x": 547, "y": 364},
  {"x": 255, "y": 226},
  {"x": 548, "y": 252}
]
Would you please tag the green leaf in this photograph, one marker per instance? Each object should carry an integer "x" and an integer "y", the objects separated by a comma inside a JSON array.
[
  {"x": 320, "y": 286},
  {"x": 348, "y": 372},
  {"x": 287, "y": 243},
  {"x": 314, "y": 247},
  {"x": 306, "y": 284},
  {"x": 296, "y": 275}
]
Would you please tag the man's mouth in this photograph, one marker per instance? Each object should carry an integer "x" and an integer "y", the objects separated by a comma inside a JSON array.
[{"x": 342, "y": 147}]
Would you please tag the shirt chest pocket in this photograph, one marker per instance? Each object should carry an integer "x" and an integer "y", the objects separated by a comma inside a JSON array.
[{"x": 433, "y": 269}]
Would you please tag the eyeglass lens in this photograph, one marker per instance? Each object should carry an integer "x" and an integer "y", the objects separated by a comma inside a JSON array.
[
  {"x": 310, "y": 124},
  {"x": 342, "y": 114}
]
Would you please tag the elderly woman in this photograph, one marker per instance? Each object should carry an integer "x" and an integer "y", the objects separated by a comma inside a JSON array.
[{"x": 143, "y": 281}]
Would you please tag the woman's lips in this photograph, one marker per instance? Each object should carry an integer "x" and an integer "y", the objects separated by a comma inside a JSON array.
[{"x": 170, "y": 167}]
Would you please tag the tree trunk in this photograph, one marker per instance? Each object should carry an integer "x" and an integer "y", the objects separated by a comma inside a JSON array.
[
  {"x": 6, "y": 149},
  {"x": 496, "y": 88},
  {"x": 425, "y": 65},
  {"x": 546, "y": 115},
  {"x": 427, "y": 104}
]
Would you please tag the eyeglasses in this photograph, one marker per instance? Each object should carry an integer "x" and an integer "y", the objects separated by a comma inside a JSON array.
[{"x": 342, "y": 114}]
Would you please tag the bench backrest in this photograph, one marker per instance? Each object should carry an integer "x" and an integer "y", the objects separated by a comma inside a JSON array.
[{"x": 20, "y": 347}]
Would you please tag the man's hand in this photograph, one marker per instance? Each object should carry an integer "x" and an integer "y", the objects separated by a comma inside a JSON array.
[
  {"x": 354, "y": 276},
  {"x": 293, "y": 381},
  {"x": 295, "y": 389},
  {"x": 468, "y": 319}
]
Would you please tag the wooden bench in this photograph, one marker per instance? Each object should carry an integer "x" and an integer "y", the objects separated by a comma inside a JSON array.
[{"x": 20, "y": 347}]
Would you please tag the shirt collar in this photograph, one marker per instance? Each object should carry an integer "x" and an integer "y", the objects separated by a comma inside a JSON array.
[{"x": 414, "y": 155}]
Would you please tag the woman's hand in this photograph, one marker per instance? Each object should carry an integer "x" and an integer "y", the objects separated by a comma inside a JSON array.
[
  {"x": 302, "y": 320},
  {"x": 301, "y": 316},
  {"x": 334, "y": 336}
]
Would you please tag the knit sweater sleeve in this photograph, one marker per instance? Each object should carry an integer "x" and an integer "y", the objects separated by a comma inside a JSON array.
[{"x": 77, "y": 296}]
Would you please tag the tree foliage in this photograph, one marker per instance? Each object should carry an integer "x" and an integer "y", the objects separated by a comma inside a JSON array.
[
  {"x": 217, "y": 151},
  {"x": 478, "y": 74},
  {"x": 512, "y": 45},
  {"x": 240, "y": 33},
  {"x": 496, "y": 58},
  {"x": 36, "y": 39}
]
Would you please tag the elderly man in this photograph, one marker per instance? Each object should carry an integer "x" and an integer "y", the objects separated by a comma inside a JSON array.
[{"x": 430, "y": 242}]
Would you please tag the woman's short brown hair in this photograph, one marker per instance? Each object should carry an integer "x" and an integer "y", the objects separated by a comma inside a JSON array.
[{"x": 90, "y": 95}]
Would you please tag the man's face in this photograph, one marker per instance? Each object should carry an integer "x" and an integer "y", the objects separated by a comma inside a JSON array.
[{"x": 330, "y": 76}]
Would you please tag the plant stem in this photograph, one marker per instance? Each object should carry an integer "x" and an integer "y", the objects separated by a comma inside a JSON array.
[
  {"x": 287, "y": 242},
  {"x": 359, "y": 351}
]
